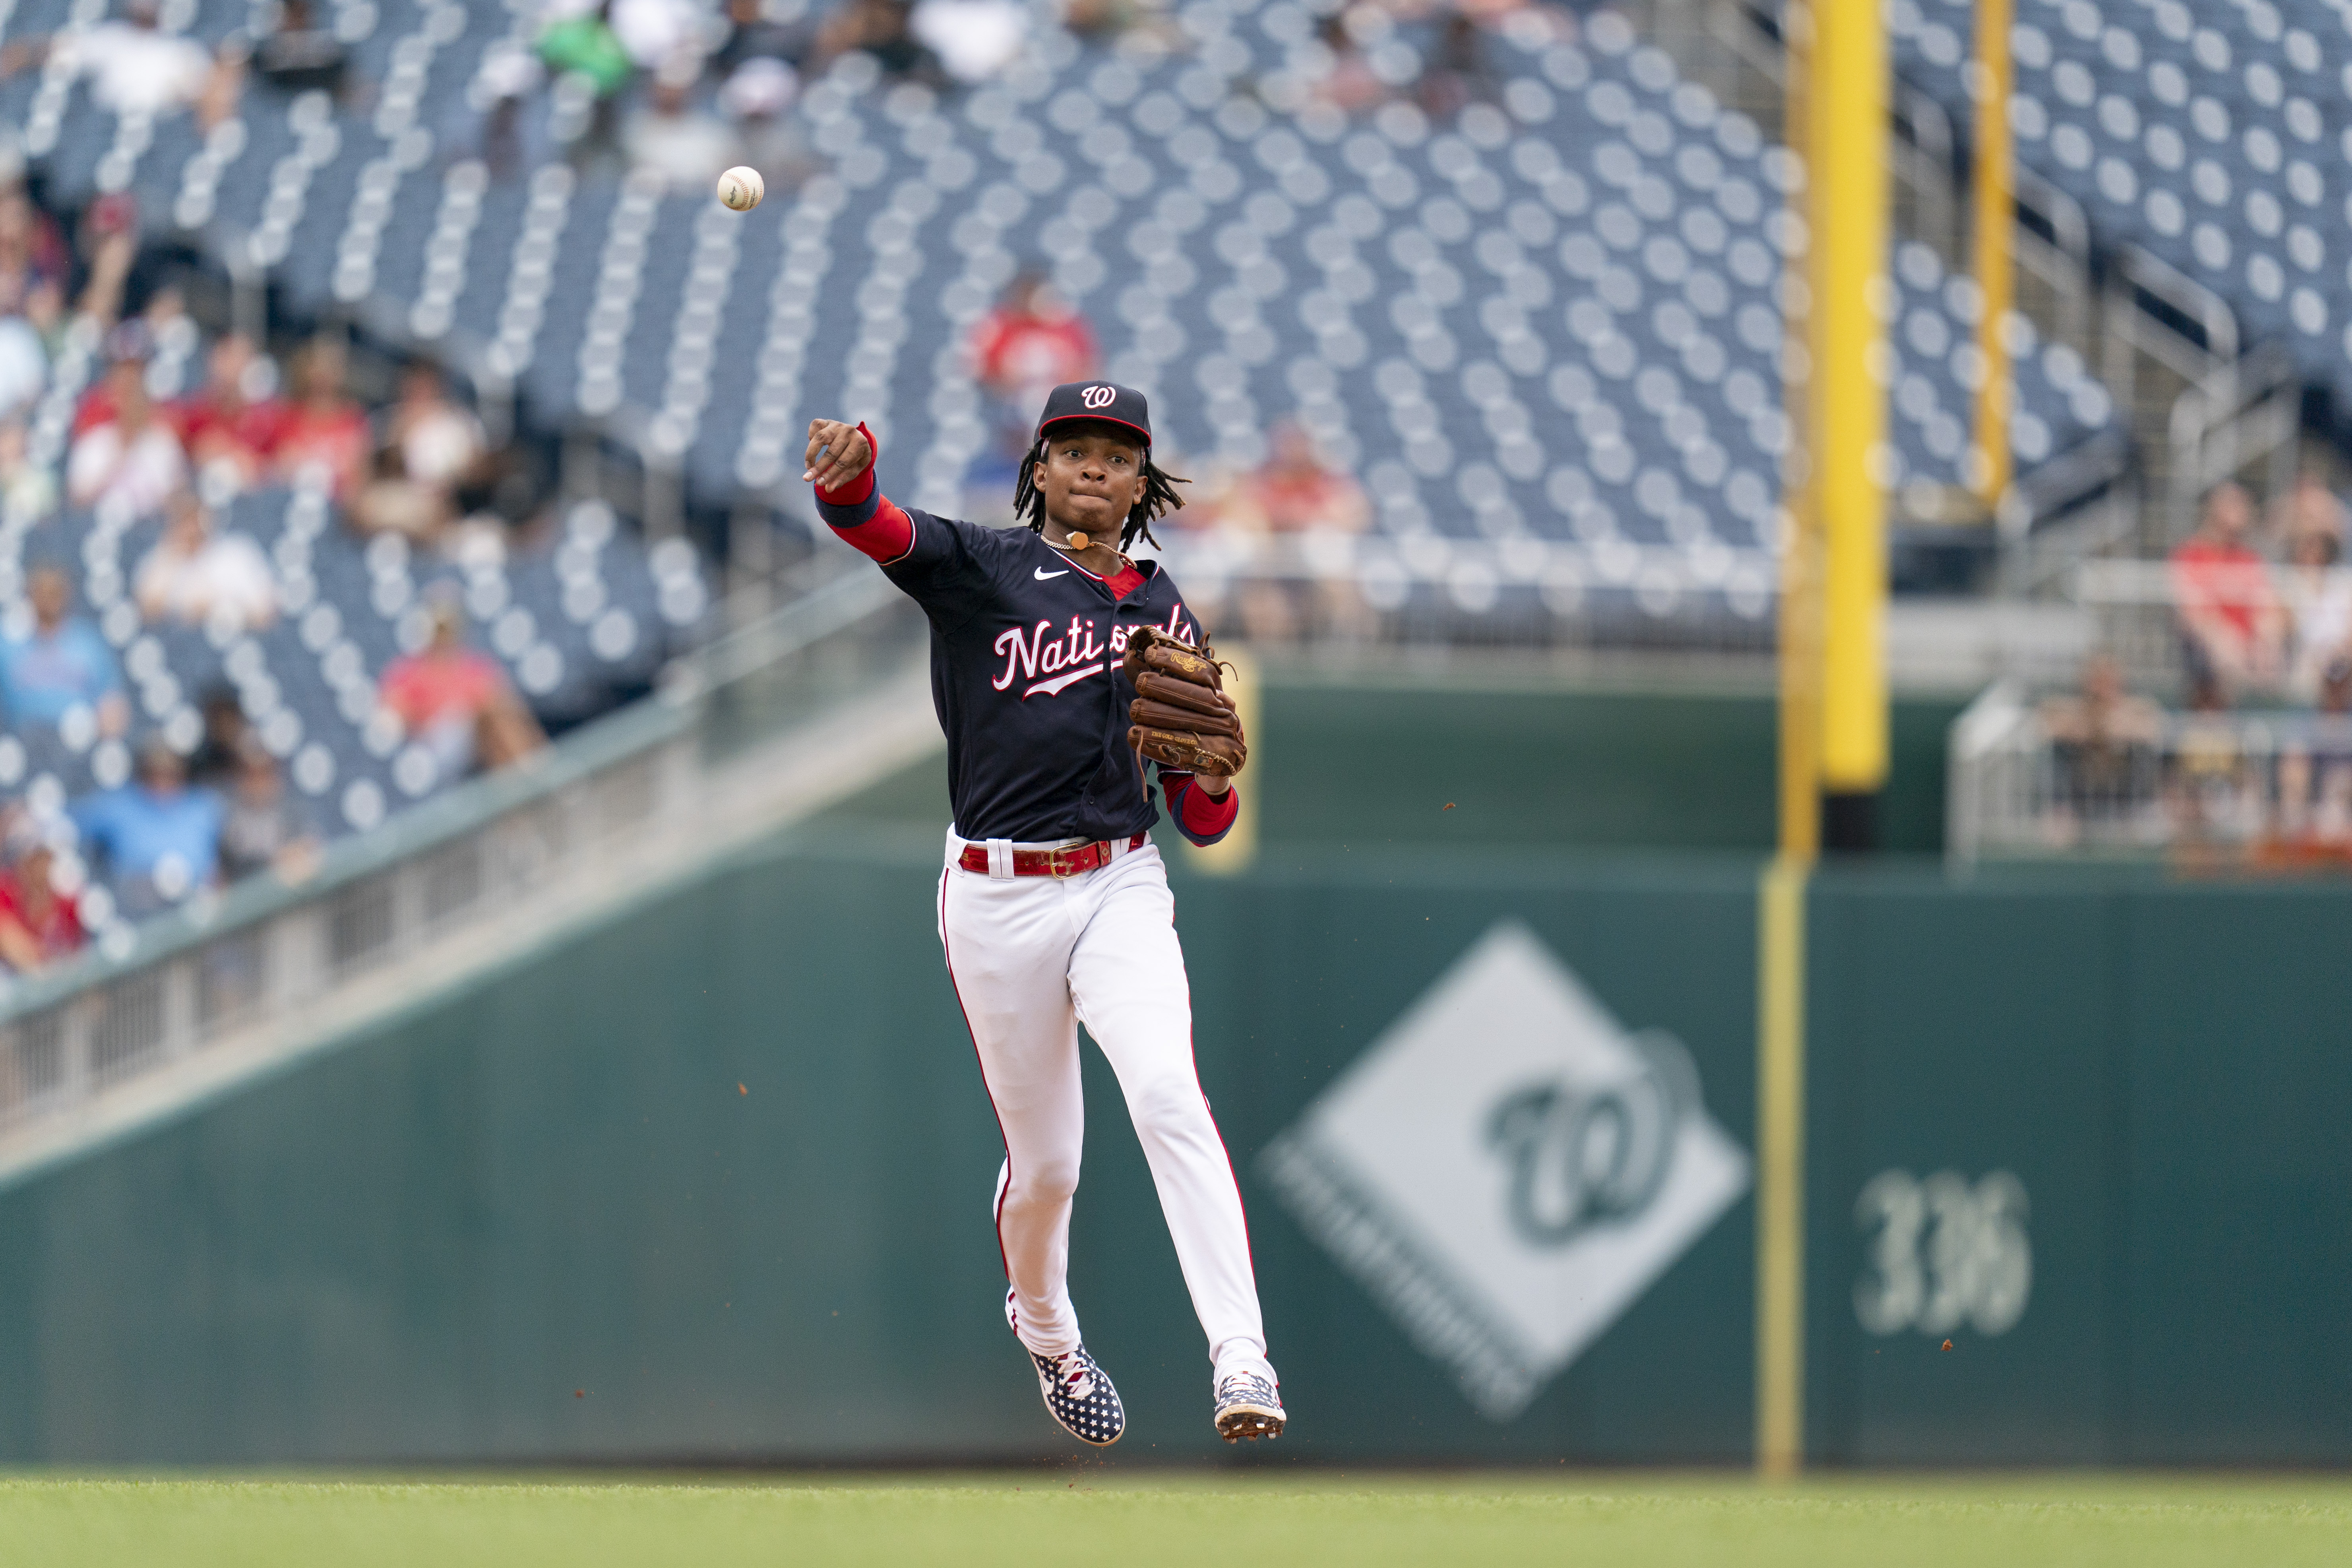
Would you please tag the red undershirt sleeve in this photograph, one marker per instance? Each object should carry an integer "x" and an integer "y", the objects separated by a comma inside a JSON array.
[
  {"x": 865, "y": 519},
  {"x": 1200, "y": 816}
]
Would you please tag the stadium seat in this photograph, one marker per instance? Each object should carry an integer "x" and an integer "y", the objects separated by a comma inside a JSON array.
[{"x": 1547, "y": 331}]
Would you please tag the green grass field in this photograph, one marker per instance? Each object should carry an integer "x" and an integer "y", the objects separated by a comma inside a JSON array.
[{"x": 1036, "y": 1519}]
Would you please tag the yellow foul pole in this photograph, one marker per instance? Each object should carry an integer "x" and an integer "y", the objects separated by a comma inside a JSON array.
[
  {"x": 1848, "y": 98},
  {"x": 1779, "y": 978},
  {"x": 1995, "y": 227},
  {"x": 1781, "y": 1170},
  {"x": 1834, "y": 717},
  {"x": 1800, "y": 558}
]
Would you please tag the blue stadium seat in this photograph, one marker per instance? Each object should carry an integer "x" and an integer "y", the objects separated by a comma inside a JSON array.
[{"x": 1545, "y": 330}]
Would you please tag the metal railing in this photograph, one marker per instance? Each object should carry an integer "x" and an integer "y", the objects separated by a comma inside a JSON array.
[
  {"x": 1332, "y": 588},
  {"x": 2151, "y": 330},
  {"x": 169, "y": 991},
  {"x": 2079, "y": 506},
  {"x": 2136, "y": 612},
  {"x": 2053, "y": 255},
  {"x": 2241, "y": 416},
  {"x": 2044, "y": 779}
]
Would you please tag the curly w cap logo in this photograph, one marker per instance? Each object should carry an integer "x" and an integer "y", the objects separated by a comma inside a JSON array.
[
  {"x": 1099, "y": 397},
  {"x": 1507, "y": 1169}
]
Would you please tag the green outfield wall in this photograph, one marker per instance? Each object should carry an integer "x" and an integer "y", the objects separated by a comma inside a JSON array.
[
  {"x": 1358, "y": 761},
  {"x": 712, "y": 1183},
  {"x": 2166, "y": 1071}
]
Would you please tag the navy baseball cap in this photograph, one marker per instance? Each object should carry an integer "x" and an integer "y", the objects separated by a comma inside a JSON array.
[{"x": 1103, "y": 400}]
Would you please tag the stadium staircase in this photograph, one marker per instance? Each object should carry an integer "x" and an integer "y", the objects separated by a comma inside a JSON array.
[{"x": 2180, "y": 220}]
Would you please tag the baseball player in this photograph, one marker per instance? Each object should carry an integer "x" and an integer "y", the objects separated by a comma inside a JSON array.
[{"x": 1053, "y": 907}]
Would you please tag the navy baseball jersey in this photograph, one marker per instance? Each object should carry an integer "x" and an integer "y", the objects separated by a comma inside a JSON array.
[{"x": 1025, "y": 649}]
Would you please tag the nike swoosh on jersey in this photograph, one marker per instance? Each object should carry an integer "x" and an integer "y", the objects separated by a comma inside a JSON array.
[
  {"x": 1054, "y": 686},
  {"x": 1041, "y": 574}
]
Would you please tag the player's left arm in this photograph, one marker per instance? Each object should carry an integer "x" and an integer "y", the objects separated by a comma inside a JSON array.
[
  {"x": 1203, "y": 806},
  {"x": 1204, "y": 809}
]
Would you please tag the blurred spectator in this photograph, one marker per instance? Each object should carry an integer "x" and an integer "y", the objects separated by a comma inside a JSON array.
[
  {"x": 28, "y": 490},
  {"x": 32, "y": 251},
  {"x": 299, "y": 56},
  {"x": 2210, "y": 780},
  {"x": 2107, "y": 745},
  {"x": 1294, "y": 493},
  {"x": 265, "y": 826},
  {"x": 133, "y": 341},
  {"x": 37, "y": 926},
  {"x": 439, "y": 441},
  {"x": 234, "y": 422},
  {"x": 175, "y": 337},
  {"x": 456, "y": 701},
  {"x": 2314, "y": 591},
  {"x": 134, "y": 66},
  {"x": 1349, "y": 84},
  {"x": 392, "y": 502},
  {"x": 45, "y": 312},
  {"x": 430, "y": 448},
  {"x": 108, "y": 239},
  {"x": 675, "y": 140},
  {"x": 2304, "y": 505},
  {"x": 2232, "y": 627},
  {"x": 157, "y": 839},
  {"x": 582, "y": 43},
  {"x": 60, "y": 665},
  {"x": 973, "y": 39},
  {"x": 130, "y": 457},
  {"x": 1101, "y": 21},
  {"x": 24, "y": 365},
  {"x": 228, "y": 733},
  {"x": 759, "y": 97},
  {"x": 2315, "y": 770},
  {"x": 200, "y": 577},
  {"x": 510, "y": 75},
  {"x": 1030, "y": 343},
  {"x": 881, "y": 28},
  {"x": 753, "y": 34},
  {"x": 659, "y": 34},
  {"x": 324, "y": 429},
  {"x": 1457, "y": 72}
]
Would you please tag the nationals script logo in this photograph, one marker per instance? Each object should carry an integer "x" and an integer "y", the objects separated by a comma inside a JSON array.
[
  {"x": 1066, "y": 656},
  {"x": 1099, "y": 397}
]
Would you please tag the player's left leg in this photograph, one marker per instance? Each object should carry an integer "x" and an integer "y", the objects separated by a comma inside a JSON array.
[{"x": 1127, "y": 979}]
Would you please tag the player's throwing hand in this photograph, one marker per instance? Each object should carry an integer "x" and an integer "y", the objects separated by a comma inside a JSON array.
[{"x": 837, "y": 453}]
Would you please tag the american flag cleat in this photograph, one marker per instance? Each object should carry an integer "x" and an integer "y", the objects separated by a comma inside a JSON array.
[
  {"x": 1080, "y": 1395},
  {"x": 1249, "y": 1404}
]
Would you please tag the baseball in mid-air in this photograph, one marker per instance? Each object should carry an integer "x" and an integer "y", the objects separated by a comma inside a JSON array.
[{"x": 741, "y": 188}]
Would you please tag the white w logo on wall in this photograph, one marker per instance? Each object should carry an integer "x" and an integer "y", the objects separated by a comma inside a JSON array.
[{"x": 1507, "y": 1169}]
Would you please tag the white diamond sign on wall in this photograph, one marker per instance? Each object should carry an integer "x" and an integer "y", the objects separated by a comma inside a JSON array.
[{"x": 1507, "y": 1169}]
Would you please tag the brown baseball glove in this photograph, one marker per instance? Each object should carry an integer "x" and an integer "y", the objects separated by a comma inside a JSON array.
[{"x": 1182, "y": 717}]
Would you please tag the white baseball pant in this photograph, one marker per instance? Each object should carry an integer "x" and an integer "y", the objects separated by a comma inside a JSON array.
[{"x": 1032, "y": 958}]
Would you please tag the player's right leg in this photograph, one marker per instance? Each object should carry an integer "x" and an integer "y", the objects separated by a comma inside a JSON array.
[
  {"x": 1007, "y": 945},
  {"x": 1127, "y": 974}
]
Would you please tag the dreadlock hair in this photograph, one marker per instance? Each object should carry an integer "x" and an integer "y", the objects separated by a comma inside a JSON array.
[{"x": 1159, "y": 495}]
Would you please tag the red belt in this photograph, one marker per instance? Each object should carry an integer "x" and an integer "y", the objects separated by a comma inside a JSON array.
[{"x": 1049, "y": 862}]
